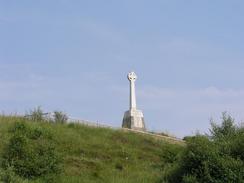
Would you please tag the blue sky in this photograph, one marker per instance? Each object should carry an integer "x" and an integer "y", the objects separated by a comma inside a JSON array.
[{"x": 74, "y": 55}]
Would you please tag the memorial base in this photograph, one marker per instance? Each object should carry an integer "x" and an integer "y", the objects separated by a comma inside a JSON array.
[{"x": 134, "y": 119}]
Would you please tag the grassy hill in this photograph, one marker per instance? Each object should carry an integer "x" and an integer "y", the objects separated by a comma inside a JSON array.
[{"x": 99, "y": 155}]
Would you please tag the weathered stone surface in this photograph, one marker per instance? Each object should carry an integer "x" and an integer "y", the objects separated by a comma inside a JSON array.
[{"x": 134, "y": 119}]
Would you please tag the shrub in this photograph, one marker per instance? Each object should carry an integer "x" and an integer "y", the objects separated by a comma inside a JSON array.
[
  {"x": 204, "y": 160},
  {"x": 189, "y": 179},
  {"x": 60, "y": 117},
  {"x": 31, "y": 152},
  {"x": 9, "y": 176},
  {"x": 226, "y": 130},
  {"x": 213, "y": 158},
  {"x": 36, "y": 114},
  {"x": 237, "y": 146}
]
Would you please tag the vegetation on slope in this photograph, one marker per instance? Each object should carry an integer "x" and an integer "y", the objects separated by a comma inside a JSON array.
[
  {"x": 79, "y": 153},
  {"x": 41, "y": 151},
  {"x": 214, "y": 158}
]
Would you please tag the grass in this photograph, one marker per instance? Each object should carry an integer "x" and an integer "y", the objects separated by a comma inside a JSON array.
[{"x": 102, "y": 155}]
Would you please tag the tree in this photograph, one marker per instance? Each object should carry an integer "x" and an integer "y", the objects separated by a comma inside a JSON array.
[{"x": 225, "y": 130}]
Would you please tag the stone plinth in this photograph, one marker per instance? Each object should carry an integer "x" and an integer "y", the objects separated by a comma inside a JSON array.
[{"x": 134, "y": 119}]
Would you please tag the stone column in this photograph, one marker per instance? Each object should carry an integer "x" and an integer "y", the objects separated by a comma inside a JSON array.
[{"x": 132, "y": 78}]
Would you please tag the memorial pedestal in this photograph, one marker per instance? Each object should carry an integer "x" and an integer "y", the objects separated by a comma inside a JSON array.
[{"x": 134, "y": 119}]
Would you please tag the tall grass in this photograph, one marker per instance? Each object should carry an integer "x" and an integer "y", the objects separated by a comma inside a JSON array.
[{"x": 101, "y": 155}]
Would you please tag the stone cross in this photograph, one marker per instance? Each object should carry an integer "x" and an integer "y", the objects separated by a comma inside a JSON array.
[
  {"x": 133, "y": 118},
  {"x": 132, "y": 78}
]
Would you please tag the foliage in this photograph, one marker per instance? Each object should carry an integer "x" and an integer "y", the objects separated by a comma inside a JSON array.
[
  {"x": 213, "y": 158},
  {"x": 97, "y": 155},
  {"x": 226, "y": 130},
  {"x": 93, "y": 155},
  {"x": 36, "y": 114},
  {"x": 8, "y": 176},
  {"x": 60, "y": 117},
  {"x": 31, "y": 152}
]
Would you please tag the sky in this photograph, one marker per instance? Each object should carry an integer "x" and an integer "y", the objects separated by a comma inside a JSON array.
[{"x": 74, "y": 55}]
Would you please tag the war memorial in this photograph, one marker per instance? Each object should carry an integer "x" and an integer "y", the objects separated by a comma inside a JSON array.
[{"x": 133, "y": 118}]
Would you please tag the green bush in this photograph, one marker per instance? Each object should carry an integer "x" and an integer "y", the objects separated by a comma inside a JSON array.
[
  {"x": 189, "y": 179},
  {"x": 237, "y": 145},
  {"x": 226, "y": 130},
  {"x": 36, "y": 114},
  {"x": 60, "y": 117},
  {"x": 31, "y": 152},
  {"x": 213, "y": 158},
  {"x": 205, "y": 160},
  {"x": 9, "y": 176}
]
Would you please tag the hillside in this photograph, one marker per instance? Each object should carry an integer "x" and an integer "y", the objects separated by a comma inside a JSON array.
[{"x": 97, "y": 155}]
